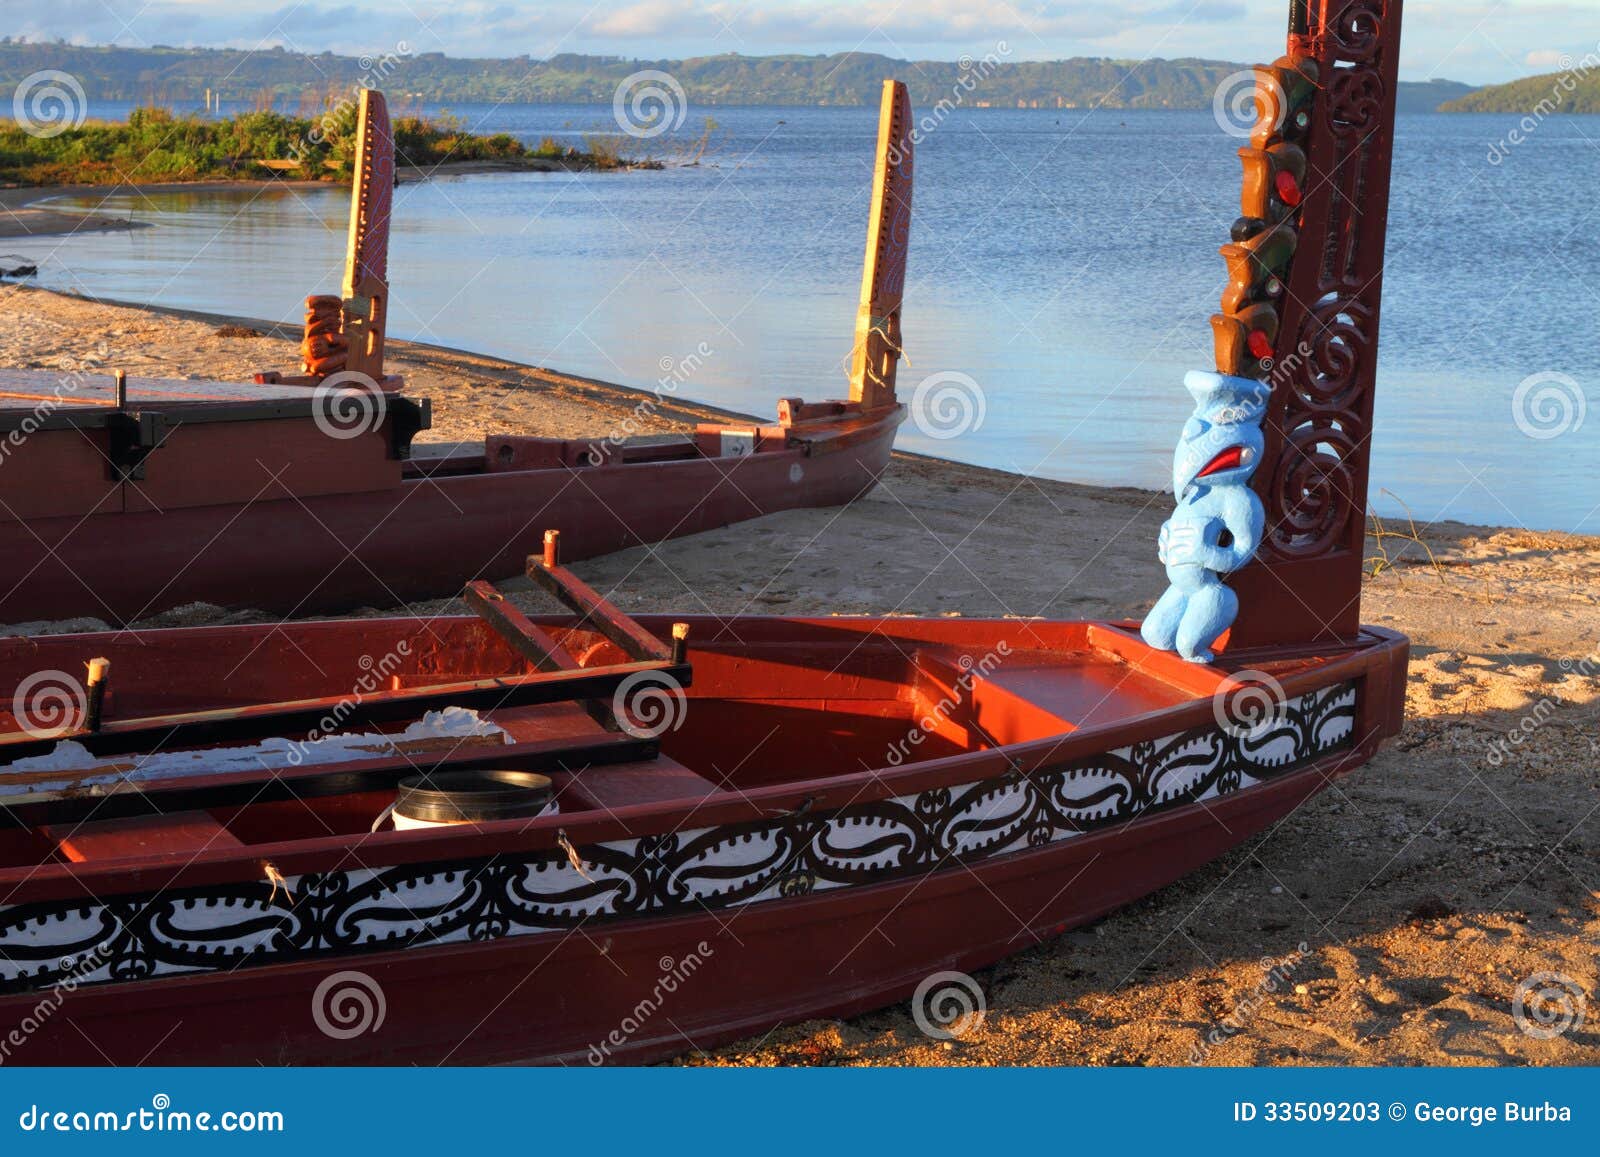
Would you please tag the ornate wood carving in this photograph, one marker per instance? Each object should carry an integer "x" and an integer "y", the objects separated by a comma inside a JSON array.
[
  {"x": 883, "y": 280},
  {"x": 366, "y": 285},
  {"x": 1332, "y": 102}
]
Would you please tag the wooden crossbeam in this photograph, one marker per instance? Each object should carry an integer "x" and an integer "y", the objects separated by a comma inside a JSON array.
[
  {"x": 302, "y": 716},
  {"x": 531, "y": 641},
  {"x": 592, "y": 608}
]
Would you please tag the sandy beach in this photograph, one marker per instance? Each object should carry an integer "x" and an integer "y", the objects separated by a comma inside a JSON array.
[{"x": 1389, "y": 921}]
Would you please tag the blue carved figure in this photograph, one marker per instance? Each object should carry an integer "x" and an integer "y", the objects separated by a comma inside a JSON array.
[{"x": 1219, "y": 520}]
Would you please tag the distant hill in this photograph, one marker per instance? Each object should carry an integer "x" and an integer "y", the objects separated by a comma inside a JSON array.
[
  {"x": 1557, "y": 92},
  {"x": 1431, "y": 95},
  {"x": 166, "y": 75}
]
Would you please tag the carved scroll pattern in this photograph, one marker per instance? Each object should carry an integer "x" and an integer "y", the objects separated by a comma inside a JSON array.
[{"x": 1315, "y": 491}]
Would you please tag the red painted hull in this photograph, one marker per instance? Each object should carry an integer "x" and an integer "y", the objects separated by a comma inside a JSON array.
[
  {"x": 426, "y": 538},
  {"x": 556, "y": 998},
  {"x": 858, "y": 933}
]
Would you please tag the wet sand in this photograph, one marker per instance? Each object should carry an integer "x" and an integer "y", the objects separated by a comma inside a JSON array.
[{"x": 1391, "y": 920}]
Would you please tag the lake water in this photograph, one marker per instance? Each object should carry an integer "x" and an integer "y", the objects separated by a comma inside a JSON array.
[{"x": 1065, "y": 261}]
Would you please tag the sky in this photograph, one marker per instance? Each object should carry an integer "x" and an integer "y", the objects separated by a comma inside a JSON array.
[{"x": 1478, "y": 41}]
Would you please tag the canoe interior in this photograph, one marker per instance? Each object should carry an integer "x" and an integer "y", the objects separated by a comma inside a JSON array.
[{"x": 773, "y": 703}]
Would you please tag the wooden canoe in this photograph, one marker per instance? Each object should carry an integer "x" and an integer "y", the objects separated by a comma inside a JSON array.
[
  {"x": 801, "y": 817},
  {"x": 304, "y": 493}
]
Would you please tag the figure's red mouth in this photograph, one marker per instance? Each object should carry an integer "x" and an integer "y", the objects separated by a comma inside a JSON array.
[{"x": 1227, "y": 460}]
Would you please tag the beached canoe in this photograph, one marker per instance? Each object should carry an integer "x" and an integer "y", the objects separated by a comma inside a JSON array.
[
  {"x": 594, "y": 839},
  {"x": 237, "y": 495},
  {"x": 304, "y": 493},
  {"x": 792, "y": 818}
]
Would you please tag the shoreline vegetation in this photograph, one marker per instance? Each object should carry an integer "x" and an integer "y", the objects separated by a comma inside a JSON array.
[{"x": 155, "y": 145}]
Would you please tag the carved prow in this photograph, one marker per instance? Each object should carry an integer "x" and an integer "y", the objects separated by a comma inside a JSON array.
[
  {"x": 1302, "y": 312},
  {"x": 366, "y": 271},
  {"x": 344, "y": 334},
  {"x": 883, "y": 280}
]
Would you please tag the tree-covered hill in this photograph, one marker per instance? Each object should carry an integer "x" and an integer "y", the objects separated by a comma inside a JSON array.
[
  {"x": 1568, "y": 92},
  {"x": 168, "y": 75}
]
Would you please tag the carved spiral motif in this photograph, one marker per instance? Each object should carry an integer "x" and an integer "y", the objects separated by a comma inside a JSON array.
[
  {"x": 1336, "y": 336},
  {"x": 1314, "y": 487},
  {"x": 1357, "y": 31},
  {"x": 1356, "y": 100}
]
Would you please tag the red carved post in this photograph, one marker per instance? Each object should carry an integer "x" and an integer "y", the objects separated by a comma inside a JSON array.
[{"x": 1307, "y": 293}]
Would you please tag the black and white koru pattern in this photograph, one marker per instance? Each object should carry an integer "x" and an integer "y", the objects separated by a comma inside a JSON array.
[{"x": 347, "y": 912}]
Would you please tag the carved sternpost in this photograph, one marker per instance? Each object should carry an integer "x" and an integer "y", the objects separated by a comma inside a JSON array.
[
  {"x": 883, "y": 280},
  {"x": 366, "y": 285},
  {"x": 1302, "y": 311}
]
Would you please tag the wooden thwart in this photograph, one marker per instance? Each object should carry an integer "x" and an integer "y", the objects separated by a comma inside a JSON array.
[
  {"x": 302, "y": 716},
  {"x": 531, "y": 641},
  {"x": 592, "y": 608}
]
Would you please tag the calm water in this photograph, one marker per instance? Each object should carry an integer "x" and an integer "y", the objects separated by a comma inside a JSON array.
[{"x": 1067, "y": 263}]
